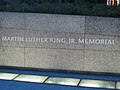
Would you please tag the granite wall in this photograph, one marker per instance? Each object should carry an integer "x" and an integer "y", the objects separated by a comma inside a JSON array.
[{"x": 37, "y": 52}]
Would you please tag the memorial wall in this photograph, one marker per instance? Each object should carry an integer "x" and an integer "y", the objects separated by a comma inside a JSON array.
[{"x": 62, "y": 42}]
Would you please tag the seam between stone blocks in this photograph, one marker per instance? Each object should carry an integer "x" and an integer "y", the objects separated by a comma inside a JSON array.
[
  {"x": 24, "y": 56},
  {"x": 84, "y": 45},
  {"x": 25, "y": 26}
]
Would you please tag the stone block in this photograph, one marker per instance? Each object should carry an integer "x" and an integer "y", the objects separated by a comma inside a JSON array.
[
  {"x": 54, "y": 58},
  {"x": 107, "y": 43},
  {"x": 12, "y": 20},
  {"x": 53, "y": 22},
  {"x": 37, "y": 21},
  {"x": 67, "y": 23},
  {"x": 101, "y": 26},
  {"x": 101, "y": 61},
  {"x": 118, "y": 26},
  {"x": 11, "y": 56},
  {"x": 64, "y": 39},
  {"x": 0, "y": 37},
  {"x": 1, "y": 19},
  {"x": 12, "y": 37}
]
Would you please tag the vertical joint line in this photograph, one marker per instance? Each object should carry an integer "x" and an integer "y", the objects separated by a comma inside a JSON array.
[
  {"x": 79, "y": 82},
  {"x": 84, "y": 45},
  {"x": 16, "y": 76},
  {"x": 46, "y": 79},
  {"x": 115, "y": 85},
  {"x": 24, "y": 56}
]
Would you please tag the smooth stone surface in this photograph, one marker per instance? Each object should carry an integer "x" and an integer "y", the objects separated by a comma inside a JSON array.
[
  {"x": 101, "y": 25},
  {"x": 62, "y": 81},
  {"x": 64, "y": 44},
  {"x": 8, "y": 76},
  {"x": 12, "y": 33},
  {"x": 11, "y": 56},
  {"x": 53, "y": 22},
  {"x": 54, "y": 59},
  {"x": 97, "y": 84},
  {"x": 118, "y": 85},
  {"x": 12, "y": 20},
  {"x": 101, "y": 61},
  {"x": 31, "y": 78},
  {"x": 107, "y": 47}
]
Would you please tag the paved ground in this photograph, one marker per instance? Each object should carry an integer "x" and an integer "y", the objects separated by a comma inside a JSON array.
[{"x": 16, "y": 85}]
